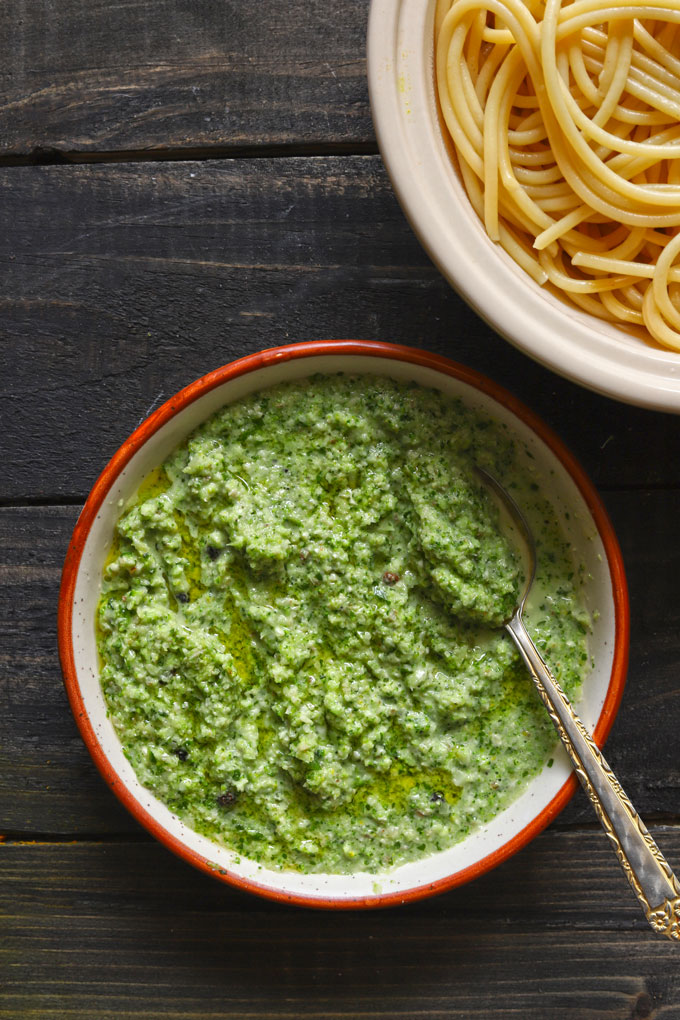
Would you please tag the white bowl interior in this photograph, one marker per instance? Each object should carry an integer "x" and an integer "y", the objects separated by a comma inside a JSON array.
[
  {"x": 577, "y": 345},
  {"x": 579, "y": 527}
]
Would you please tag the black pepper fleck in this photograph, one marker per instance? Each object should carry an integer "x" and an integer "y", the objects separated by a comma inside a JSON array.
[{"x": 227, "y": 799}]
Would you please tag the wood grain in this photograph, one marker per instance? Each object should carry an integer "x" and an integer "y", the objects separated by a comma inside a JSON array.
[
  {"x": 86, "y": 76},
  {"x": 120, "y": 284},
  {"x": 126, "y": 930},
  {"x": 48, "y": 785}
]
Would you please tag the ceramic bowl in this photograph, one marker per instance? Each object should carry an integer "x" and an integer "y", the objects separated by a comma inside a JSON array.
[
  {"x": 579, "y": 346},
  {"x": 584, "y": 521}
]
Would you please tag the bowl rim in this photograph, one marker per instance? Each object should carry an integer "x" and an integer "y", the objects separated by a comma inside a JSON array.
[
  {"x": 418, "y": 158},
  {"x": 252, "y": 363}
]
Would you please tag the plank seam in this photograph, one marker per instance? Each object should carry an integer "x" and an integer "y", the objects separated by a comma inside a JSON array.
[{"x": 59, "y": 157}]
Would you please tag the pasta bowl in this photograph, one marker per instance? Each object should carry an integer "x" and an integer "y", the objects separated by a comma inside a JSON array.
[
  {"x": 581, "y": 517},
  {"x": 601, "y": 356}
]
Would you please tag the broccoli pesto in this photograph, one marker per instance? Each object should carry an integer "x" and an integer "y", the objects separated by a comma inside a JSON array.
[{"x": 300, "y": 626}]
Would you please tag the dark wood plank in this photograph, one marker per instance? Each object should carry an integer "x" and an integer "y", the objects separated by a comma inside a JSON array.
[
  {"x": 49, "y": 785},
  {"x": 43, "y": 761},
  {"x": 84, "y": 76},
  {"x": 121, "y": 284},
  {"x": 115, "y": 930}
]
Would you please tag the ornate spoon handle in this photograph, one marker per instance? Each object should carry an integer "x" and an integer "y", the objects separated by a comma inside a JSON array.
[{"x": 648, "y": 872}]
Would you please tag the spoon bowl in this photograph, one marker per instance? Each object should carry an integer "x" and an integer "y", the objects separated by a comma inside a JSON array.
[{"x": 518, "y": 524}]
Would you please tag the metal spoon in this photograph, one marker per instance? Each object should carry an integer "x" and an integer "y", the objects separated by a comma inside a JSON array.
[{"x": 648, "y": 872}]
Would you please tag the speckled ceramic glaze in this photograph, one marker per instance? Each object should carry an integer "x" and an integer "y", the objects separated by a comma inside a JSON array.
[
  {"x": 579, "y": 346},
  {"x": 584, "y": 522}
]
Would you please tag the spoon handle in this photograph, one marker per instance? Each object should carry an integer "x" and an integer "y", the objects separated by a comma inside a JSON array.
[{"x": 648, "y": 872}]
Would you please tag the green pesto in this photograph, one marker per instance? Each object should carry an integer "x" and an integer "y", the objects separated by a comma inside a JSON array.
[{"x": 300, "y": 627}]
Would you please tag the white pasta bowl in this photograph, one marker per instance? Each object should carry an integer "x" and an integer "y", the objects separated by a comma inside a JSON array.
[
  {"x": 579, "y": 346},
  {"x": 580, "y": 513}
]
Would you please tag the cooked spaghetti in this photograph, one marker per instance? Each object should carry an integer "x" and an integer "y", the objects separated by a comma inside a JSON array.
[{"x": 566, "y": 122}]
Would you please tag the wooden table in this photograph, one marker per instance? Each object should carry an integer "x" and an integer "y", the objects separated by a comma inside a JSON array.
[{"x": 183, "y": 182}]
